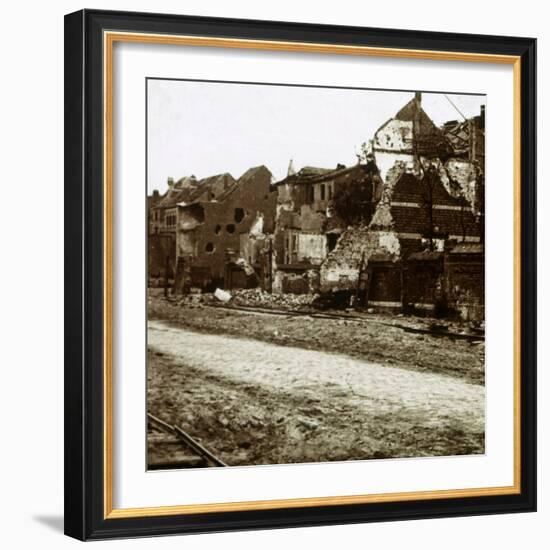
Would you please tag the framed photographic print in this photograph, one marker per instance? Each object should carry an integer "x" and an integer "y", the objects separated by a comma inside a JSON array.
[{"x": 300, "y": 274}]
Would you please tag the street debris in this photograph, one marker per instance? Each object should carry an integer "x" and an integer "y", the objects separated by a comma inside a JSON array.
[{"x": 222, "y": 295}]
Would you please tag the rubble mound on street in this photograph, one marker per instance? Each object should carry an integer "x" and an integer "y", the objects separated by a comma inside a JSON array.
[
  {"x": 256, "y": 297},
  {"x": 252, "y": 297}
]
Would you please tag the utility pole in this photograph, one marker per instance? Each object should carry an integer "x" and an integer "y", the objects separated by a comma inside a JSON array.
[
  {"x": 270, "y": 265},
  {"x": 166, "y": 267},
  {"x": 359, "y": 276}
]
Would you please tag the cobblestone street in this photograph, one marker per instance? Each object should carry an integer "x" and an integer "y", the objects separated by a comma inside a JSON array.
[{"x": 255, "y": 402}]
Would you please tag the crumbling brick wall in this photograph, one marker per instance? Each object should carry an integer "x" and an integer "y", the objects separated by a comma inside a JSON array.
[{"x": 340, "y": 271}]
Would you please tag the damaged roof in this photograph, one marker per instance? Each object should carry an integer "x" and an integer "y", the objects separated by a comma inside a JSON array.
[
  {"x": 412, "y": 111},
  {"x": 254, "y": 171},
  {"x": 458, "y": 134},
  {"x": 209, "y": 189},
  {"x": 219, "y": 187},
  {"x": 180, "y": 191},
  {"x": 305, "y": 174},
  {"x": 250, "y": 174},
  {"x": 312, "y": 171},
  {"x": 310, "y": 174},
  {"x": 188, "y": 190},
  {"x": 430, "y": 139},
  {"x": 212, "y": 186},
  {"x": 453, "y": 138}
]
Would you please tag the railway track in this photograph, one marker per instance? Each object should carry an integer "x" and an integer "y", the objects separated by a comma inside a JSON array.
[{"x": 170, "y": 447}]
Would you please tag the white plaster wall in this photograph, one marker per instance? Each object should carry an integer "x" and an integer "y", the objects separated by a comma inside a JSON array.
[
  {"x": 385, "y": 161},
  {"x": 388, "y": 240},
  {"x": 395, "y": 135},
  {"x": 312, "y": 247}
]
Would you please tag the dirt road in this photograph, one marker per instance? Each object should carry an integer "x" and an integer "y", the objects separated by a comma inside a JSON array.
[
  {"x": 375, "y": 340},
  {"x": 254, "y": 402}
]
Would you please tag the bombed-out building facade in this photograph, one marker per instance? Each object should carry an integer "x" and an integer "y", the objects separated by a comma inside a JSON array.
[
  {"x": 314, "y": 208},
  {"x": 206, "y": 221},
  {"x": 402, "y": 230}
]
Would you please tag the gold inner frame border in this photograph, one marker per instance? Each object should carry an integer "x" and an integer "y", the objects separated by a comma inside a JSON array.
[{"x": 109, "y": 39}]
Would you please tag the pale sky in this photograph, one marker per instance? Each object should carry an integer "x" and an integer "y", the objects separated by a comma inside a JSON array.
[{"x": 207, "y": 128}]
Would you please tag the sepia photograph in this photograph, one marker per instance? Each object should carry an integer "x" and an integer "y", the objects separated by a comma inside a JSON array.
[
  {"x": 315, "y": 273},
  {"x": 300, "y": 272}
]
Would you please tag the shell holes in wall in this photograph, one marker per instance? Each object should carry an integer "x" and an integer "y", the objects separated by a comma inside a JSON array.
[{"x": 239, "y": 215}]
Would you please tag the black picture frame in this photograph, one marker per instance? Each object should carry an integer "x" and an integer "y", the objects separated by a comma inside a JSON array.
[{"x": 84, "y": 282}]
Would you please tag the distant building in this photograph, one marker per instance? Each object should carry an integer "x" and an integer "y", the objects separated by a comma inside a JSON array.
[
  {"x": 185, "y": 191},
  {"x": 152, "y": 200},
  {"x": 164, "y": 219},
  {"x": 211, "y": 224}
]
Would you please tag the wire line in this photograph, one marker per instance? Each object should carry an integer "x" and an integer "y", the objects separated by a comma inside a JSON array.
[{"x": 457, "y": 109}]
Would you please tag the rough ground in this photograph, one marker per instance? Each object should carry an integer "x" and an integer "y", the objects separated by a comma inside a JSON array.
[
  {"x": 374, "y": 338},
  {"x": 254, "y": 402}
]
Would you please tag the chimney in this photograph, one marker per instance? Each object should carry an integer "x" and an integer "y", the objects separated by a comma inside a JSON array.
[
  {"x": 482, "y": 116},
  {"x": 156, "y": 194},
  {"x": 418, "y": 97},
  {"x": 170, "y": 183}
]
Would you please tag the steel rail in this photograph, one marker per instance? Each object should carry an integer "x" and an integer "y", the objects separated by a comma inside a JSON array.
[
  {"x": 352, "y": 319},
  {"x": 188, "y": 440}
]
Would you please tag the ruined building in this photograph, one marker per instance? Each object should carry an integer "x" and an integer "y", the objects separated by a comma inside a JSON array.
[
  {"x": 312, "y": 208},
  {"x": 419, "y": 244},
  {"x": 412, "y": 138},
  {"x": 402, "y": 230},
  {"x": 211, "y": 225},
  {"x": 164, "y": 214},
  {"x": 409, "y": 137},
  {"x": 397, "y": 261},
  {"x": 164, "y": 218},
  {"x": 423, "y": 249},
  {"x": 152, "y": 200}
]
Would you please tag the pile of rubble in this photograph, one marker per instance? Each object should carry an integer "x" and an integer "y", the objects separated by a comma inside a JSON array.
[
  {"x": 253, "y": 297},
  {"x": 195, "y": 299},
  {"x": 257, "y": 297}
]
